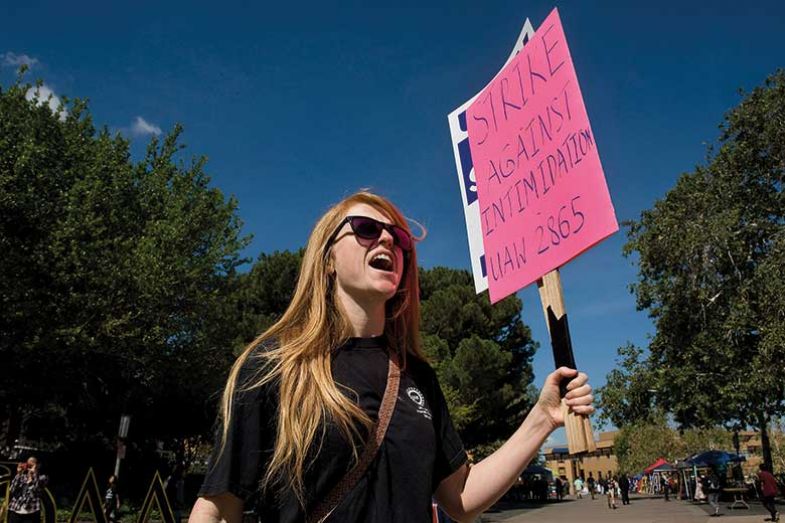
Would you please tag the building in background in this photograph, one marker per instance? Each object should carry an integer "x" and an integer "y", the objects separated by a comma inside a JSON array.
[
  {"x": 599, "y": 464},
  {"x": 602, "y": 463}
]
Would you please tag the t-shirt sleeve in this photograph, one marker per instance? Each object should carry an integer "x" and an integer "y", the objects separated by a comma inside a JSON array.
[
  {"x": 237, "y": 468},
  {"x": 450, "y": 453}
]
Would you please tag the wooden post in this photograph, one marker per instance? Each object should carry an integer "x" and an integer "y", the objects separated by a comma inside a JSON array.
[{"x": 579, "y": 433}]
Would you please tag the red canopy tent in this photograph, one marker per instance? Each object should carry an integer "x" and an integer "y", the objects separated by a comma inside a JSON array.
[{"x": 658, "y": 463}]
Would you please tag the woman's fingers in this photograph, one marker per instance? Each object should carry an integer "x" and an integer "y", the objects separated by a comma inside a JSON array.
[
  {"x": 579, "y": 380},
  {"x": 579, "y": 397},
  {"x": 562, "y": 372},
  {"x": 583, "y": 390}
]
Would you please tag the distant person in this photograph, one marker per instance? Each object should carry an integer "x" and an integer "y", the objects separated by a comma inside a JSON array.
[
  {"x": 712, "y": 489},
  {"x": 25, "y": 493},
  {"x": 676, "y": 486},
  {"x": 768, "y": 489},
  {"x": 611, "y": 493},
  {"x": 665, "y": 486},
  {"x": 543, "y": 489},
  {"x": 578, "y": 483},
  {"x": 624, "y": 488},
  {"x": 111, "y": 500},
  {"x": 559, "y": 484},
  {"x": 699, "y": 494},
  {"x": 591, "y": 484}
]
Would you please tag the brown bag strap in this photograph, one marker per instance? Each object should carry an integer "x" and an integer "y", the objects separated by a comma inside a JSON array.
[{"x": 323, "y": 510}]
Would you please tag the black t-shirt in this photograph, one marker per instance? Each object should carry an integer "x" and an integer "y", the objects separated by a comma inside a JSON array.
[{"x": 420, "y": 449}]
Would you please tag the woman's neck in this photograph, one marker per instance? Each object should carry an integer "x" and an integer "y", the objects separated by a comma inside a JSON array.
[{"x": 366, "y": 318}]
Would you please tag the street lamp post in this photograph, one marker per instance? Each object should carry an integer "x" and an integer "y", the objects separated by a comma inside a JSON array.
[{"x": 122, "y": 433}]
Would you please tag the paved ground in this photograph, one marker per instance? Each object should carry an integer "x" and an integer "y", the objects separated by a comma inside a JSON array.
[{"x": 640, "y": 509}]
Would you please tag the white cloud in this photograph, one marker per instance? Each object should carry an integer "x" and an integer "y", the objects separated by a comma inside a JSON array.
[
  {"x": 46, "y": 95},
  {"x": 11, "y": 59},
  {"x": 142, "y": 127}
]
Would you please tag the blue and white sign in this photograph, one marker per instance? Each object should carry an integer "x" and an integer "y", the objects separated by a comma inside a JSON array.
[{"x": 466, "y": 177}]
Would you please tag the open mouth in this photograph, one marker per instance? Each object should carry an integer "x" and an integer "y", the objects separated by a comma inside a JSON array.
[{"x": 382, "y": 262}]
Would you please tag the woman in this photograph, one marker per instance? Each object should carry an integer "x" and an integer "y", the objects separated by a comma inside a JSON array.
[
  {"x": 25, "y": 493},
  {"x": 302, "y": 400},
  {"x": 611, "y": 491}
]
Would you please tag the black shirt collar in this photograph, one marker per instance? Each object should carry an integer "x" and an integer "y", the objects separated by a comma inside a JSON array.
[{"x": 375, "y": 342}]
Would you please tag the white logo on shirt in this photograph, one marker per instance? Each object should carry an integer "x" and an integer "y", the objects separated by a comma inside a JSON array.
[{"x": 419, "y": 399}]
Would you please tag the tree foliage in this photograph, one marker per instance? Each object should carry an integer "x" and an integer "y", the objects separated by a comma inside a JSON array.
[
  {"x": 710, "y": 255},
  {"x": 628, "y": 393},
  {"x": 481, "y": 353},
  {"x": 113, "y": 277},
  {"x": 640, "y": 444},
  {"x": 778, "y": 443},
  {"x": 120, "y": 293},
  {"x": 698, "y": 440},
  {"x": 264, "y": 293}
]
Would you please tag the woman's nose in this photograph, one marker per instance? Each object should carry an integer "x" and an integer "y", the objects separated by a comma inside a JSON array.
[{"x": 386, "y": 238}]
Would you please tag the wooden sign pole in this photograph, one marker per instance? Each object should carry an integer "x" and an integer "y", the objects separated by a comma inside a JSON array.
[{"x": 579, "y": 433}]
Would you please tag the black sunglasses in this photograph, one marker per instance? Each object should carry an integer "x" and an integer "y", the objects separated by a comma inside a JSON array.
[{"x": 370, "y": 229}]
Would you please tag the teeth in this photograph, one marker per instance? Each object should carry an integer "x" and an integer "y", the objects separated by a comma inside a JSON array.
[{"x": 382, "y": 261}]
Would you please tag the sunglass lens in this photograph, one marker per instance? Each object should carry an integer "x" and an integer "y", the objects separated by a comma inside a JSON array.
[
  {"x": 366, "y": 228},
  {"x": 402, "y": 238}
]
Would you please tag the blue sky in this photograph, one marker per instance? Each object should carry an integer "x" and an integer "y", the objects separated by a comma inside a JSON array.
[{"x": 297, "y": 105}]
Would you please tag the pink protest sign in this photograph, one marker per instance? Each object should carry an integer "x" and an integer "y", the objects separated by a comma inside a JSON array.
[{"x": 541, "y": 187}]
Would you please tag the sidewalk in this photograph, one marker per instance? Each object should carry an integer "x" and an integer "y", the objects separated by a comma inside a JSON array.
[{"x": 641, "y": 509}]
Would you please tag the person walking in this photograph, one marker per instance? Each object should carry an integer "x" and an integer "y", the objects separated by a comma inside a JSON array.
[
  {"x": 768, "y": 489},
  {"x": 591, "y": 485},
  {"x": 700, "y": 496},
  {"x": 665, "y": 486},
  {"x": 111, "y": 500},
  {"x": 624, "y": 488},
  {"x": 25, "y": 493},
  {"x": 559, "y": 485},
  {"x": 712, "y": 489},
  {"x": 578, "y": 483},
  {"x": 333, "y": 413},
  {"x": 676, "y": 486},
  {"x": 611, "y": 493}
]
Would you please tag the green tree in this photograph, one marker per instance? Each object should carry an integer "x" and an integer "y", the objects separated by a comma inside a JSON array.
[
  {"x": 113, "y": 278},
  {"x": 481, "y": 353},
  {"x": 638, "y": 445},
  {"x": 264, "y": 293},
  {"x": 710, "y": 255},
  {"x": 701, "y": 439},
  {"x": 628, "y": 394},
  {"x": 778, "y": 443}
]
